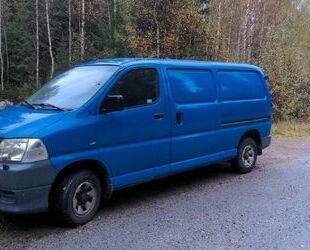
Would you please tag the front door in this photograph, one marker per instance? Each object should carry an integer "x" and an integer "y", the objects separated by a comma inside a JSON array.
[{"x": 135, "y": 141}]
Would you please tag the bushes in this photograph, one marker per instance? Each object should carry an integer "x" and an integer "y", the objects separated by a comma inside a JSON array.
[
  {"x": 286, "y": 58},
  {"x": 16, "y": 93}
]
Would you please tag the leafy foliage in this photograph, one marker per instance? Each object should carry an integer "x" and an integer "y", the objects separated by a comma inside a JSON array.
[
  {"x": 286, "y": 58},
  {"x": 273, "y": 34}
]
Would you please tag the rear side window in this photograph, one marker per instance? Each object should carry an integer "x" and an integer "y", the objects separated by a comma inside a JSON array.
[
  {"x": 240, "y": 85},
  {"x": 138, "y": 87},
  {"x": 192, "y": 86}
]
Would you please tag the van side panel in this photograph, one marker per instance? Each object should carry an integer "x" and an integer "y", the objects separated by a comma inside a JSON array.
[
  {"x": 245, "y": 104},
  {"x": 243, "y": 96},
  {"x": 195, "y": 113},
  {"x": 212, "y": 126}
]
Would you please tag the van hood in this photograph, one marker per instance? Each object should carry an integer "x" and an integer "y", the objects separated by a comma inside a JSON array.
[{"x": 23, "y": 122}]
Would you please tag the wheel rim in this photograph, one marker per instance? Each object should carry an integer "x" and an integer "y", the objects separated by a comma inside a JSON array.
[
  {"x": 248, "y": 156},
  {"x": 84, "y": 199}
]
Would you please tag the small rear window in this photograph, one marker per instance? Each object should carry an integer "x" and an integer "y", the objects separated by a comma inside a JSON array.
[
  {"x": 241, "y": 85},
  {"x": 192, "y": 86}
]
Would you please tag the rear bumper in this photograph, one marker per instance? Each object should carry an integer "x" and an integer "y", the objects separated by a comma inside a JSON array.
[
  {"x": 266, "y": 141},
  {"x": 24, "y": 188}
]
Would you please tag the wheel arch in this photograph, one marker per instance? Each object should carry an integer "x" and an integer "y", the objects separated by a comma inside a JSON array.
[
  {"x": 93, "y": 165},
  {"x": 256, "y": 136}
]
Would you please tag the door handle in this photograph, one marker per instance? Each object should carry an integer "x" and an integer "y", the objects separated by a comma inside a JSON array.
[
  {"x": 179, "y": 118},
  {"x": 159, "y": 116}
]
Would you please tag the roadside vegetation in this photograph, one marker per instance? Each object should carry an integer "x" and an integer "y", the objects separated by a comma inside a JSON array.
[
  {"x": 39, "y": 39},
  {"x": 291, "y": 129}
]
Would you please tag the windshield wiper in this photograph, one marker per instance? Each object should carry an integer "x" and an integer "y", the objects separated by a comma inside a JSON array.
[
  {"x": 26, "y": 103},
  {"x": 49, "y": 106}
]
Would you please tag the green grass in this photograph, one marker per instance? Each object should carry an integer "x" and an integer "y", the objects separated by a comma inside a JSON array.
[{"x": 291, "y": 129}]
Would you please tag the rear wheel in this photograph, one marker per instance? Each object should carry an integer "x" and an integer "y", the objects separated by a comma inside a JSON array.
[
  {"x": 247, "y": 156},
  {"x": 76, "y": 199}
]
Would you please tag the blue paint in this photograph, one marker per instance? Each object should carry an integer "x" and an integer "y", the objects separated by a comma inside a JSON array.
[
  {"x": 200, "y": 103},
  {"x": 192, "y": 86},
  {"x": 250, "y": 85}
]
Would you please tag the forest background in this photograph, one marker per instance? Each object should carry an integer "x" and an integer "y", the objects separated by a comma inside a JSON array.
[{"x": 41, "y": 38}]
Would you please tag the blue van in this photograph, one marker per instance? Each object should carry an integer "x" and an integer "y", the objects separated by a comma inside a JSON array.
[{"x": 110, "y": 124}]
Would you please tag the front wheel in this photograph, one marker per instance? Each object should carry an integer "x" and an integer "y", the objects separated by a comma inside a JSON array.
[
  {"x": 76, "y": 199},
  {"x": 247, "y": 156}
]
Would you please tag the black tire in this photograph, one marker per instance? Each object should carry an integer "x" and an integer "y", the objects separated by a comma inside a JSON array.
[
  {"x": 69, "y": 192},
  {"x": 246, "y": 148}
]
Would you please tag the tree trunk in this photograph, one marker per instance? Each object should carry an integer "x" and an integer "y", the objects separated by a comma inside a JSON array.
[
  {"x": 231, "y": 19},
  {"x": 79, "y": 7},
  {"x": 83, "y": 31},
  {"x": 208, "y": 32},
  {"x": 251, "y": 34},
  {"x": 37, "y": 45},
  {"x": 49, "y": 38},
  {"x": 239, "y": 42},
  {"x": 110, "y": 21},
  {"x": 114, "y": 15},
  {"x": 245, "y": 31},
  {"x": 6, "y": 55},
  {"x": 262, "y": 32},
  {"x": 70, "y": 32},
  {"x": 157, "y": 31},
  {"x": 1, "y": 58},
  {"x": 218, "y": 29}
]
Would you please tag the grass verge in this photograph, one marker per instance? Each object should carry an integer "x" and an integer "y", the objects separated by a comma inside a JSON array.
[{"x": 291, "y": 129}]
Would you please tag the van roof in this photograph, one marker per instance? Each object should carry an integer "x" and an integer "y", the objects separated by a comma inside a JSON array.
[{"x": 167, "y": 62}]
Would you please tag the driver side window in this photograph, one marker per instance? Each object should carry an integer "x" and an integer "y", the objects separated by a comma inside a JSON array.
[{"x": 137, "y": 87}]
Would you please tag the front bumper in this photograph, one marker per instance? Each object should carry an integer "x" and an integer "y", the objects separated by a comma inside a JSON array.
[{"x": 24, "y": 188}]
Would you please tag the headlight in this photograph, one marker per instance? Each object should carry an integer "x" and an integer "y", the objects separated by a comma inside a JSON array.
[{"x": 22, "y": 150}]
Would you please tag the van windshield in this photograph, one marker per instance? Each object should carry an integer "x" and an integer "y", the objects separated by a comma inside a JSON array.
[{"x": 73, "y": 88}]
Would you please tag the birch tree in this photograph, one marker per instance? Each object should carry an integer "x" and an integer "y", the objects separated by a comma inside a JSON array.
[
  {"x": 114, "y": 15},
  {"x": 49, "y": 38},
  {"x": 218, "y": 28},
  {"x": 83, "y": 31},
  {"x": 109, "y": 19},
  {"x": 70, "y": 32},
  {"x": 5, "y": 40},
  {"x": 262, "y": 30},
  {"x": 1, "y": 57},
  {"x": 157, "y": 29},
  {"x": 37, "y": 45},
  {"x": 6, "y": 54},
  {"x": 231, "y": 15}
]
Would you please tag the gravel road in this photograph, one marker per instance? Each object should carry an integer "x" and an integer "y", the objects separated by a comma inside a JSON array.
[{"x": 210, "y": 208}]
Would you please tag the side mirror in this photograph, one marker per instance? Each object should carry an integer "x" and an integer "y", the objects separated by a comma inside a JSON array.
[{"x": 112, "y": 103}]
